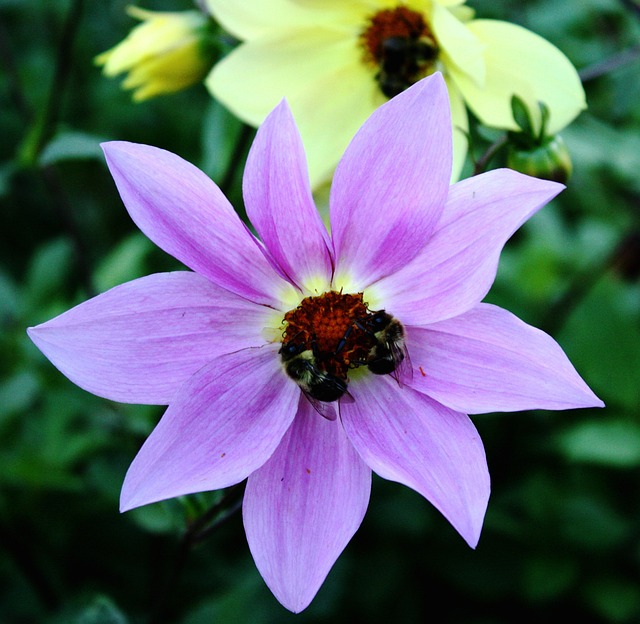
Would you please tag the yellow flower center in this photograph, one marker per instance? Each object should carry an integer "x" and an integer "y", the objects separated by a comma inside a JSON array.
[
  {"x": 328, "y": 335},
  {"x": 400, "y": 44}
]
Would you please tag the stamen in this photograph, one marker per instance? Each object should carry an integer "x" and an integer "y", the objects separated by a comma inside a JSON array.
[
  {"x": 327, "y": 326},
  {"x": 328, "y": 335}
]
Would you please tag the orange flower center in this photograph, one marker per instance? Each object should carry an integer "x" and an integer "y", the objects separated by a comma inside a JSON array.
[
  {"x": 400, "y": 44},
  {"x": 335, "y": 328}
]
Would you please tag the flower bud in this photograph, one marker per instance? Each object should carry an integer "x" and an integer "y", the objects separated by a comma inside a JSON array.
[
  {"x": 167, "y": 52},
  {"x": 549, "y": 161}
]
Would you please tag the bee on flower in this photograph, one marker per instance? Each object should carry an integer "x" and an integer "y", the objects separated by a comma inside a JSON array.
[
  {"x": 338, "y": 60},
  {"x": 167, "y": 52},
  {"x": 305, "y": 360}
]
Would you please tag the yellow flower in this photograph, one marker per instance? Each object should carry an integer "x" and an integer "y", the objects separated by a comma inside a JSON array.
[
  {"x": 167, "y": 52},
  {"x": 337, "y": 60}
]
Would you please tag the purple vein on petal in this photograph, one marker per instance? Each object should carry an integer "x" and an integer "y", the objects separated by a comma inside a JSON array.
[
  {"x": 140, "y": 341},
  {"x": 183, "y": 211},
  {"x": 488, "y": 360},
  {"x": 279, "y": 202},
  {"x": 303, "y": 506},
  {"x": 224, "y": 423},
  {"x": 390, "y": 186},
  {"x": 407, "y": 437},
  {"x": 459, "y": 263}
]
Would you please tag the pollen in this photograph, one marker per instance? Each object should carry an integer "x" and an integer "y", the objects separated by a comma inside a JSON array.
[{"x": 333, "y": 327}]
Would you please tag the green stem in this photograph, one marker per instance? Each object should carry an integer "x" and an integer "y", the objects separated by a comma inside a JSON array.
[
  {"x": 43, "y": 127},
  {"x": 237, "y": 158},
  {"x": 582, "y": 284},
  {"x": 200, "y": 529},
  {"x": 482, "y": 163}
]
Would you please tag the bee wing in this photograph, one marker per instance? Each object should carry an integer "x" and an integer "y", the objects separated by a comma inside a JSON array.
[
  {"x": 326, "y": 410},
  {"x": 347, "y": 397},
  {"x": 403, "y": 373}
]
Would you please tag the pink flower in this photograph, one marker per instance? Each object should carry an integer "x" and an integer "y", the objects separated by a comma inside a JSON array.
[{"x": 407, "y": 252}]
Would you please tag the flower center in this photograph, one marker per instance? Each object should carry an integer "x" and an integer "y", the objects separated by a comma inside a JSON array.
[
  {"x": 401, "y": 45},
  {"x": 327, "y": 335}
]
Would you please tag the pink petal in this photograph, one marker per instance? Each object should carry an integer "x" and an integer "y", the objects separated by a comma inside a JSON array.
[
  {"x": 390, "y": 187},
  {"x": 405, "y": 436},
  {"x": 488, "y": 360},
  {"x": 279, "y": 203},
  {"x": 304, "y": 505},
  {"x": 139, "y": 342},
  {"x": 459, "y": 264},
  {"x": 182, "y": 211},
  {"x": 224, "y": 423}
]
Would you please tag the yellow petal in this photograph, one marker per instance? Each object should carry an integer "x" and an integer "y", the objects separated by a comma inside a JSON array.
[
  {"x": 449, "y": 3},
  {"x": 460, "y": 123},
  {"x": 522, "y": 63},
  {"x": 168, "y": 73},
  {"x": 153, "y": 37},
  {"x": 252, "y": 19},
  {"x": 459, "y": 46},
  {"x": 319, "y": 72}
]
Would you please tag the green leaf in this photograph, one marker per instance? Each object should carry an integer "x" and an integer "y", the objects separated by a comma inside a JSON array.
[
  {"x": 124, "y": 263},
  {"x": 9, "y": 297},
  {"x": 162, "y": 517},
  {"x": 614, "y": 443},
  {"x": 544, "y": 120},
  {"x": 590, "y": 141},
  {"x": 545, "y": 577},
  {"x": 616, "y": 599},
  {"x": 220, "y": 133},
  {"x": 17, "y": 392},
  {"x": 101, "y": 610},
  {"x": 7, "y": 169},
  {"x": 71, "y": 145},
  {"x": 49, "y": 271},
  {"x": 521, "y": 115},
  {"x": 601, "y": 338}
]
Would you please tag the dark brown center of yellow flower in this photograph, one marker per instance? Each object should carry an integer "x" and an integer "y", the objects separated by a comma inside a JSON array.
[{"x": 400, "y": 45}]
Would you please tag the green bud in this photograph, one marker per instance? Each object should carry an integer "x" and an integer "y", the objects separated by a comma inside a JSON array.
[{"x": 549, "y": 161}]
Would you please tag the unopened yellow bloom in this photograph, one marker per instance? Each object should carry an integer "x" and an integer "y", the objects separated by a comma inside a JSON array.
[
  {"x": 167, "y": 52},
  {"x": 337, "y": 60}
]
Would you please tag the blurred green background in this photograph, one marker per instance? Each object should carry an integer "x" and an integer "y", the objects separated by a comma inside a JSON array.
[{"x": 562, "y": 533}]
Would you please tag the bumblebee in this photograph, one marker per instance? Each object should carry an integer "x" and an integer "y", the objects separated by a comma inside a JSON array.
[
  {"x": 320, "y": 387},
  {"x": 389, "y": 354},
  {"x": 402, "y": 61}
]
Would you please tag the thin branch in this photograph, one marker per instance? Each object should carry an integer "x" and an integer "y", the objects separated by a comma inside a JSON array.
[
  {"x": 482, "y": 162},
  {"x": 62, "y": 71},
  {"x": 622, "y": 259},
  {"x": 218, "y": 522},
  {"x": 608, "y": 65},
  {"x": 200, "y": 529}
]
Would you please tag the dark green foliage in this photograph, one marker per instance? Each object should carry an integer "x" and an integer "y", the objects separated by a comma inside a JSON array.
[{"x": 562, "y": 534}]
